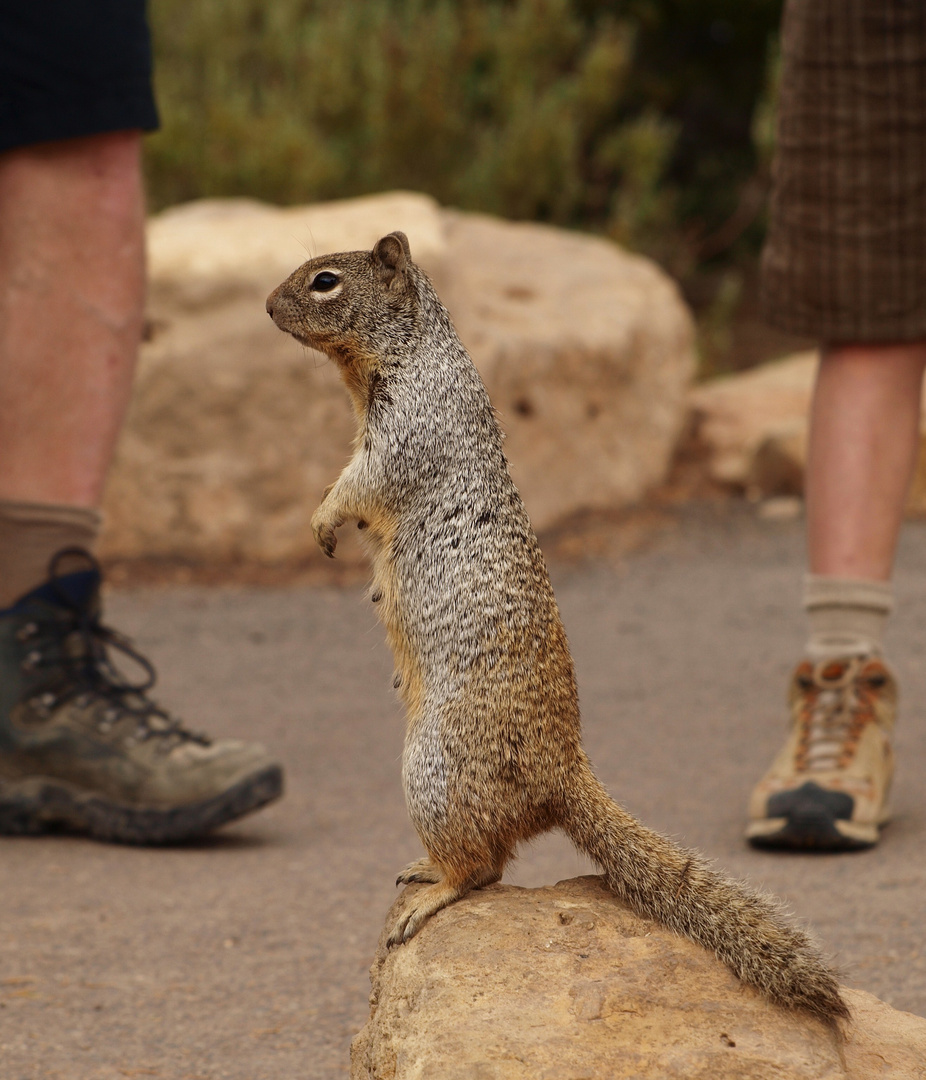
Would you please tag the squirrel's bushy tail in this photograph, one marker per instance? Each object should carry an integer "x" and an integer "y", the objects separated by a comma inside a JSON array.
[{"x": 677, "y": 888}]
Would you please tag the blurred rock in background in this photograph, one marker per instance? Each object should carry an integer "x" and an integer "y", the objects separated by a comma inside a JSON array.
[{"x": 750, "y": 430}]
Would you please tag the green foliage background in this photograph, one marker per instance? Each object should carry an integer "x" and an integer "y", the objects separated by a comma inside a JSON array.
[{"x": 632, "y": 118}]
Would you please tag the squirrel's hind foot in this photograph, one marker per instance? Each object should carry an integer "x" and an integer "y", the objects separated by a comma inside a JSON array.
[
  {"x": 420, "y": 908},
  {"x": 441, "y": 891}
]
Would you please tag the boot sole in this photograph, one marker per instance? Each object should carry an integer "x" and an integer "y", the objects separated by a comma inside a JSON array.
[
  {"x": 49, "y": 806},
  {"x": 811, "y": 833}
]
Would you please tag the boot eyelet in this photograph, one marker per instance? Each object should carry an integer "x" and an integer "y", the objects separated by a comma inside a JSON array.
[
  {"x": 29, "y": 630},
  {"x": 31, "y": 660}
]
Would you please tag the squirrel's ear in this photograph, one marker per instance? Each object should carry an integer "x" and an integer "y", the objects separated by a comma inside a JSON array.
[{"x": 391, "y": 255}]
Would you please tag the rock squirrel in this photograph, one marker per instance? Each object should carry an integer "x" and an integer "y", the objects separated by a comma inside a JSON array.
[{"x": 493, "y": 751}]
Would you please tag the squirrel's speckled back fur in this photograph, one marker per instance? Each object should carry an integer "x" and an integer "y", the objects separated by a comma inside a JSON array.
[{"x": 493, "y": 751}]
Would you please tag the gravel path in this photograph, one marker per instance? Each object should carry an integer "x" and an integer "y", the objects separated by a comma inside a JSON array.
[{"x": 246, "y": 957}]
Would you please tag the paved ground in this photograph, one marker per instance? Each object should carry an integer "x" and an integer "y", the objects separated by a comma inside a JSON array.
[{"x": 247, "y": 957}]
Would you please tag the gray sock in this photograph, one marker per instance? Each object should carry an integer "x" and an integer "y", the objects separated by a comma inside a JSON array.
[
  {"x": 847, "y": 616},
  {"x": 31, "y": 534}
]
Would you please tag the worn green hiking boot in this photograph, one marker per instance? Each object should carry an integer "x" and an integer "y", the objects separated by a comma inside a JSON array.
[
  {"x": 828, "y": 788},
  {"x": 82, "y": 749}
]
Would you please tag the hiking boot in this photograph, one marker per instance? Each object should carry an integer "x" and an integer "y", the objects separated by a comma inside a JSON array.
[
  {"x": 83, "y": 749},
  {"x": 828, "y": 788}
]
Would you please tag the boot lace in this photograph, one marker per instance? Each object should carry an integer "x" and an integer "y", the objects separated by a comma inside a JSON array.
[
  {"x": 839, "y": 698},
  {"x": 79, "y": 647}
]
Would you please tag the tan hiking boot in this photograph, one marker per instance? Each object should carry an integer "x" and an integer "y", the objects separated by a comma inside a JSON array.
[
  {"x": 82, "y": 748},
  {"x": 828, "y": 788}
]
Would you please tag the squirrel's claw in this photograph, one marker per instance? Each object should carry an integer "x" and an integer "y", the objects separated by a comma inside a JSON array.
[
  {"x": 397, "y": 937},
  {"x": 407, "y": 925}
]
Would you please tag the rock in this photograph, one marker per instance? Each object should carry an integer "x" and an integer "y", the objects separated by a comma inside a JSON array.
[
  {"x": 781, "y": 508},
  {"x": 780, "y": 460},
  {"x": 750, "y": 429},
  {"x": 883, "y": 1042},
  {"x": 765, "y": 408},
  {"x": 234, "y": 430},
  {"x": 542, "y": 984}
]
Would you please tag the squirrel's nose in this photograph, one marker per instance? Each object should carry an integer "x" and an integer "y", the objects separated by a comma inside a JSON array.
[{"x": 270, "y": 306}]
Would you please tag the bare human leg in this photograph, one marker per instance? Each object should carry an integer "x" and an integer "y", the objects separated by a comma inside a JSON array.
[
  {"x": 864, "y": 438},
  {"x": 72, "y": 282}
]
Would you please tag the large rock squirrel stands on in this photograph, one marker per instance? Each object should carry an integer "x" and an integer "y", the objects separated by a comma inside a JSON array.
[{"x": 493, "y": 753}]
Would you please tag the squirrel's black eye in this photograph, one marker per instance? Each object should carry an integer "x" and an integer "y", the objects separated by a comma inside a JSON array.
[{"x": 324, "y": 282}]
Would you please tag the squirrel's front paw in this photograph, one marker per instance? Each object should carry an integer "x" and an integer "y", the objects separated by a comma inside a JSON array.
[
  {"x": 323, "y": 527},
  {"x": 326, "y": 539}
]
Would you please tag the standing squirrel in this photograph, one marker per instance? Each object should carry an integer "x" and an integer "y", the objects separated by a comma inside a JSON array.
[{"x": 493, "y": 753}]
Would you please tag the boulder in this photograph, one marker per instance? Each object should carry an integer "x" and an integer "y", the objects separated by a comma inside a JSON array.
[
  {"x": 235, "y": 430},
  {"x": 750, "y": 430},
  {"x": 758, "y": 413},
  {"x": 542, "y": 984}
]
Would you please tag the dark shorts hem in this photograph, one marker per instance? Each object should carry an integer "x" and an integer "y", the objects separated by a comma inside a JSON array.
[
  {"x": 78, "y": 119},
  {"x": 802, "y": 313}
]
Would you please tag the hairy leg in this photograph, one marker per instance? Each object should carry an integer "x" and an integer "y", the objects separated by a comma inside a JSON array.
[
  {"x": 71, "y": 307},
  {"x": 864, "y": 439}
]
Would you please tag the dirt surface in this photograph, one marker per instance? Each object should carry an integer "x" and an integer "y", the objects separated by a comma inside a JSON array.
[{"x": 246, "y": 957}]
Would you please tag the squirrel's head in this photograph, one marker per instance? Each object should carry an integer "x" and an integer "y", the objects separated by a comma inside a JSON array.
[{"x": 354, "y": 306}]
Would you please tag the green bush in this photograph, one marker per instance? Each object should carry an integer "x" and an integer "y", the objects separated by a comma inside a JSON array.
[{"x": 626, "y": 118}]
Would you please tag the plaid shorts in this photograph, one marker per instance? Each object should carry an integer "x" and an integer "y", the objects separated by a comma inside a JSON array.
[
  {"x": 73, "y": 67},
  {"x": 845, "y": 256}
]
